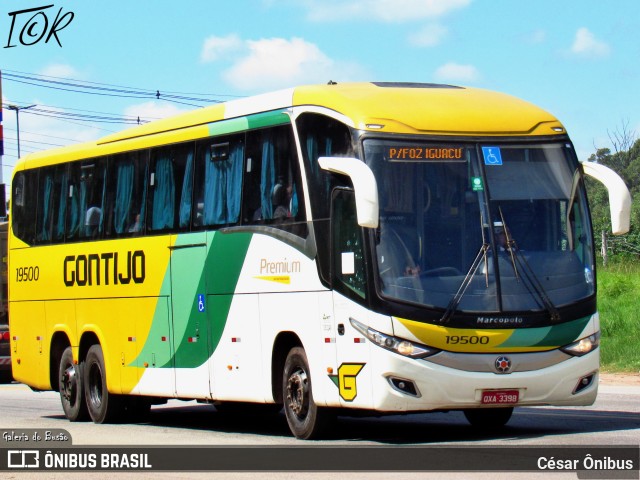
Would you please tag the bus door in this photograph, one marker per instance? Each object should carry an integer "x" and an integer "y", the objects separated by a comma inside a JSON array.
[
  {"x": 350, "y": 290},
  {"x": 190, "y": 329}
]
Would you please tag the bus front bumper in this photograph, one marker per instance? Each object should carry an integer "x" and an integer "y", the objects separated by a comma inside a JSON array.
[{"x": 404, "y": 384}]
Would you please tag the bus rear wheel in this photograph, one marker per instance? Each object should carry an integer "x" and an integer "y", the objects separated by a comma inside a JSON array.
[
  {"x": 71, "y": 388},
  {"x": 104, "y": 407},
  {"x": 306, "y": 420},
  {"x": 489, "y": 418}
]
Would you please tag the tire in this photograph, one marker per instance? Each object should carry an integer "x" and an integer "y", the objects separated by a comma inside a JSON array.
[
  {"x": 489, "y": 418},
  {"x": 306, "y": 420},
  {"x": 71, "y": 388},
  {"x": 103, "y": 407}
]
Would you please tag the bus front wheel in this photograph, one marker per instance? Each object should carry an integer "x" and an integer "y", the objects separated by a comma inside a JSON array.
[
  {"x": 104, "y": 407},
  {"x": 71, "y": 388},
  {"x": 306, "y": 420}
]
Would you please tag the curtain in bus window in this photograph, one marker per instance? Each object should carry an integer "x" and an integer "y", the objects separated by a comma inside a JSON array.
[
  {"x": 294, "y": 201},
  {"x": 78, "y": 206},
  {"x": 124, "y": 192},
  {"x": 44, "y": 231},
  {"x": 62, "y": 206},
  {"x": 234, "y": 182},
  {"x": 143, "y": 204},
  {"x": 268, "y": 177},
  {"x": 214, "y": 192},
  {"x": 164, "y": 195},
  {"x": 313, "y": 147},
  {"x": 223, "y": 183},
  {"x": 74, "y": 211},
  {"x": 185, "y": 197},
  {"x": 103, "y": 199},
  {"x": 312, "y": 153}
]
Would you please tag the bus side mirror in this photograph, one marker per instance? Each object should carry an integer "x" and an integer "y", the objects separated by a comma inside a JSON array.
[
  {"x": 364, "y": 185},
  {"x": 619, "y": 196}
]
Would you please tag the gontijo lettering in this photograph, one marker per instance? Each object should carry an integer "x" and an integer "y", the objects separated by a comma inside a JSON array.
[{"x": 104, "y": 269}]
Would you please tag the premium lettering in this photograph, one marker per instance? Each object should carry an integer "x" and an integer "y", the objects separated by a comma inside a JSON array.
[
  {"x": 271, "y": 268},
  {"x": 107, "y": 268}
]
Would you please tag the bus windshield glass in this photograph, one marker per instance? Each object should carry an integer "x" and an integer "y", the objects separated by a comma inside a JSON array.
[{"x": 481, "y": 227}]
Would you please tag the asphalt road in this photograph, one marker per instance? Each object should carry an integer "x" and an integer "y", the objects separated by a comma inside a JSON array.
[{"x": 613, "y": 420}]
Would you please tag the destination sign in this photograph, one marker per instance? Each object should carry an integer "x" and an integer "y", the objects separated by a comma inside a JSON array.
[{"x": 422, "y": 152}]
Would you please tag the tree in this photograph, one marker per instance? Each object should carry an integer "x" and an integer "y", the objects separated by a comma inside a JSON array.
[{"x": 626, "y": 162}]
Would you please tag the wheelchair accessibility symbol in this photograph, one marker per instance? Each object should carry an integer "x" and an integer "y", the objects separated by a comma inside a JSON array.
[
  {"x": 201, "y": 303},
  {"x": 492, "y": 155}
]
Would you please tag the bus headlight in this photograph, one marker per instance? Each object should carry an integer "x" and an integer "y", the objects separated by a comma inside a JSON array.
[
  {"x": 583, "y": 346},
  {"x": 394, "y": 344}
]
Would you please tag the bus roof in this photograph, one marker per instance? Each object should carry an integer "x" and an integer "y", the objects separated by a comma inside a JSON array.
[{"x": 406, "y": 108}]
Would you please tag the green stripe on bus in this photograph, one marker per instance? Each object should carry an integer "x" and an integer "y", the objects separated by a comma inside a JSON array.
[
  {"x": 553, "y": 336},
  {"x": 565, "y": 333},
  {"x": 241, "y": 124},
  {"x": 218, "y": 278},
  {"x": 226, "y": 127},
  {"x": 268, "y": 119}
]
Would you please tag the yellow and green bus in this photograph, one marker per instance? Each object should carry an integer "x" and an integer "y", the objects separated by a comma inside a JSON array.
[{"x": 352, "y": 248}]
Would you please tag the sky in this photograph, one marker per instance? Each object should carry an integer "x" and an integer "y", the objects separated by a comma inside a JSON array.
[{"x": 578, "y": 59}]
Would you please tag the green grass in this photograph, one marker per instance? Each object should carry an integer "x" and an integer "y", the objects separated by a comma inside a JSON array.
[{"x": 619, "y": 306}]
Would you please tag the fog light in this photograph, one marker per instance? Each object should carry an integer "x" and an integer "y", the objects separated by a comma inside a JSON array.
[
  {"x": 583, "y": 383},
  {"x": 405, "y": 386}
]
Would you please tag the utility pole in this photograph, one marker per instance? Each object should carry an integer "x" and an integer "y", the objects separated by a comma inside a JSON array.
[{"x": 17, "y": 110}]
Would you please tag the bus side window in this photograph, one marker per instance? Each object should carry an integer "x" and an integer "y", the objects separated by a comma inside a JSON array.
[
  {"x": 218, "y": 181},
  {"x": 50, "y": 216},
  {"x": 45, "y": 205},
  {"x": 322, "y": 136},
  {"x": 126, "y": 193},
  {"x": 162, "y": 190},
  {"x": 23, "y": 207},
  {"x": 59, "y": 204},
  {"x": 85, "y": 200},
  {"x": 272, "y": 187},
  {"x": 170, "y": 187}
]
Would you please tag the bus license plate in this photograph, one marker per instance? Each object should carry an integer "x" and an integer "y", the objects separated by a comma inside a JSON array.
[{"x": 498, "y": 397}]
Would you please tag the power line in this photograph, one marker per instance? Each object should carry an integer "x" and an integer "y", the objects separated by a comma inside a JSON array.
[
  {"x": 152, "y": 91},
  {"x": 77, "y": 86},
  {"x": 84, "y": 125},
  {"x": 43, "y": 112},
  {"x": 42, "y": 135},
  {"x": 102, "y": 118},
  {"x": 35, "y": 141},
  {"x": 26, "y": 149},
  {"x": 86, "y": 111}
]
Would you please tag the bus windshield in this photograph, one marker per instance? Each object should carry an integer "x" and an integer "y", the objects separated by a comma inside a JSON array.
[{"x": 481, "y": 227}]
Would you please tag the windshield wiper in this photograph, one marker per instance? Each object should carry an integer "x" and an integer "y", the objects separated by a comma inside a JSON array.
[
  {"x": 510, "y": 245},
  {"x": 457, "y": 298},
  {"x": 530, "y": 279}
]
